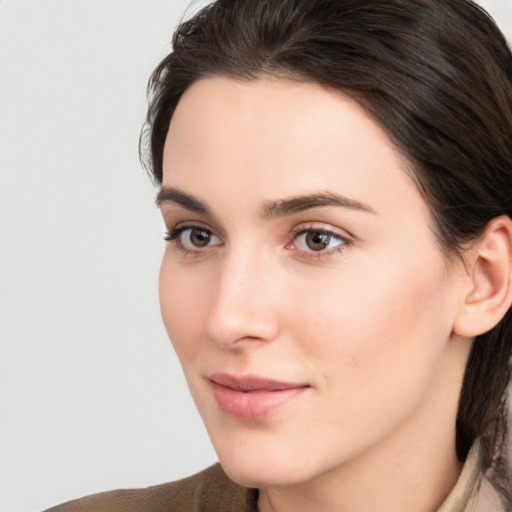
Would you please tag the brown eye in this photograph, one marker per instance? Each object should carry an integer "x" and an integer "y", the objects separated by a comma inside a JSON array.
[
  {"x": 192, "y": 238},
  {"x": 199, "y": 237},
  {"x": 316, "y": 240},
  {"x": 320, "y": 241}
]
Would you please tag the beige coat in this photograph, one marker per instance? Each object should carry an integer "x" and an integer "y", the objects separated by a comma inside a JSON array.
[{"x": 470, "y": 496}]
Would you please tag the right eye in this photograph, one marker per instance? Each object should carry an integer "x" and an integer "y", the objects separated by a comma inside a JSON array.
[{"x": 192, "y": 238}]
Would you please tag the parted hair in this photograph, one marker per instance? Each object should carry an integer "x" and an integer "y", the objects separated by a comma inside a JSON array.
[{"x": 437, "y": 76}]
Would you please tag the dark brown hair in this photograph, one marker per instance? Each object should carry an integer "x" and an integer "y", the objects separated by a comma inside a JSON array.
[{"x": 437, "y": 76}]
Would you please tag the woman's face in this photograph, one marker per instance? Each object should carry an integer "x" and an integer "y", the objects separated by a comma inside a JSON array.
[{"x": 302, "y": 288}]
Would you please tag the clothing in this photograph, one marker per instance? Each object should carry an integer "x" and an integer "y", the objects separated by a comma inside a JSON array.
[
  {"x": 208, "y": 491},
  {"x": 470, "y": 495},
  {"x": 212, "y": 491}
]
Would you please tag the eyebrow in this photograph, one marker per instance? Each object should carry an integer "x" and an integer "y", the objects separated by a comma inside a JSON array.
[
  {"x": 299, "y": 204},
  {"x": 175, "y": 196},
  {"x": 270, "y": 210}
]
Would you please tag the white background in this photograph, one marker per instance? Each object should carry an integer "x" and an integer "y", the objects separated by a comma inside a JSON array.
[{"x": 91, "y": 395}]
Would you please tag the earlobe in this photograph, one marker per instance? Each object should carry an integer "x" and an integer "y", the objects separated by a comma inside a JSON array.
[{"x": 489, "y": 267}]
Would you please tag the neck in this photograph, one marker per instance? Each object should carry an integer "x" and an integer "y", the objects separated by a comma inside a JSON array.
[
  {"x": 414, "y": 469},
  {"x": 399, "y": 484}
]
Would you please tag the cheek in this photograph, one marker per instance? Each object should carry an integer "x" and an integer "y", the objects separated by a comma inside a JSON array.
[
  {"x": 378, "y": 335},
  {"x": 182, "y": 302}
]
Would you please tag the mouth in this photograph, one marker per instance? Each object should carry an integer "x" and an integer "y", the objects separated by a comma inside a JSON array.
[{"x": 253, "y": 398}]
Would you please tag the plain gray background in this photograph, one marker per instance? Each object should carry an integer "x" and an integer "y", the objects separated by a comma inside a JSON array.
[{"x": 91, "y": 394}]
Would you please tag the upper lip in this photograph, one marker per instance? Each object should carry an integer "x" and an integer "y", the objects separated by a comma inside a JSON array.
[{"x": 252, "y": 383}]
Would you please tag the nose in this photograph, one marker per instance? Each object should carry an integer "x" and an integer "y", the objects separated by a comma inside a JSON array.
[{"x": 244, "y": 308}]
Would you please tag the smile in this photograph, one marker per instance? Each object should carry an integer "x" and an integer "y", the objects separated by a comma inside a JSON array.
[{"x": 252, "y": 398}]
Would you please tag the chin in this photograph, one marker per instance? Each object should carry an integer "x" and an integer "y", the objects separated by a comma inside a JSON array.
[
  {"x": 262, "y": 475},
  {"x": 255, "y": 462}
]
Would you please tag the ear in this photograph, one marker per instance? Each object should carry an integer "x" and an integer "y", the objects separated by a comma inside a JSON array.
[{"x": 489, "y": 271}]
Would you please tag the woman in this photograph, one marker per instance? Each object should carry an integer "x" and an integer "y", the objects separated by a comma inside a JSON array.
[{"x": 335, "y": 177}]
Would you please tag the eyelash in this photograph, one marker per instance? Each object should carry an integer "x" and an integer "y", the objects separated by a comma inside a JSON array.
[
  {"x": 174, "y": 236},
  {"x": 344, "y": 244}
]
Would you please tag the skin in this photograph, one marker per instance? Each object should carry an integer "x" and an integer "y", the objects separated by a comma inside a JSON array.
[{"x": 366, "y": 323}]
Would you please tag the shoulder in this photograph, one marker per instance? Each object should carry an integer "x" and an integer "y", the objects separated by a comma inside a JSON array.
[{"x": 208, "y": 491}]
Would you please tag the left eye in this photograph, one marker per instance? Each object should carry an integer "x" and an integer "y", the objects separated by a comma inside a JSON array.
[{"x": 316, "y": 240}]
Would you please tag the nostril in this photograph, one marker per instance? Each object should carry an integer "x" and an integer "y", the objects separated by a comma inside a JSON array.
[
  {"x": 229, "y": 326},
  {"x": 241, "y": 310}
]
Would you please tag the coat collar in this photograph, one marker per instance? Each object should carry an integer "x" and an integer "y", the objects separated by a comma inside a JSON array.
[{"x": 472, "y": 493}]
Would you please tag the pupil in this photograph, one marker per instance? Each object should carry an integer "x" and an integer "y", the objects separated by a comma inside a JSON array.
[
  {"x": 200, "y": 237},
  {"x": 317, "y": 241}
]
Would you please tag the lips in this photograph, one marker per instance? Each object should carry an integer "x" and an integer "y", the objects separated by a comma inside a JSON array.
[{"x": 253, "y": 398}]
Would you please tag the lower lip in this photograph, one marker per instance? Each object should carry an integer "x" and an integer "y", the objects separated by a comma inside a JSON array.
[{"x": 253, "y": 405}]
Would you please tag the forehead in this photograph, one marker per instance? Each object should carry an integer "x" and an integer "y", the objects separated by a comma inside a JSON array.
[{"x": 275, "y": 137}]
